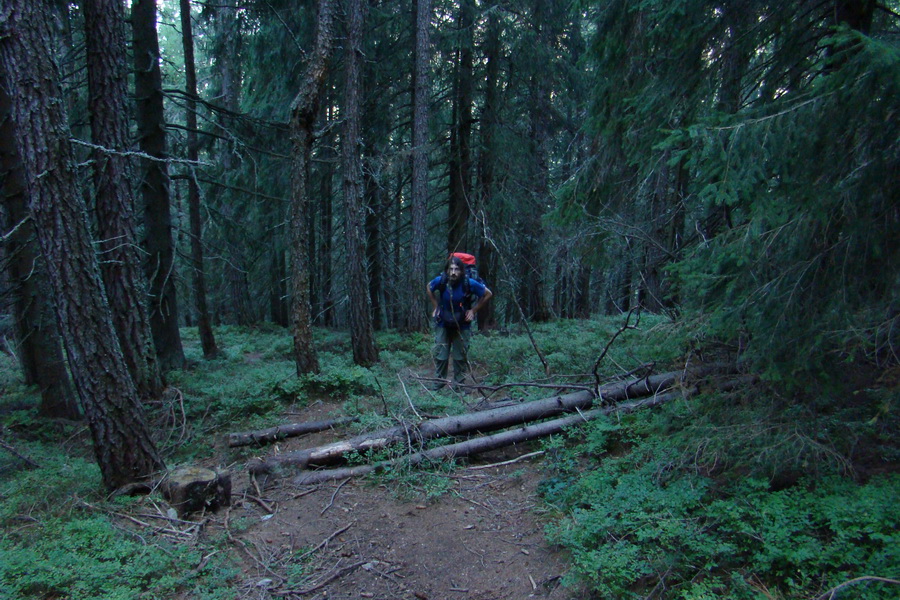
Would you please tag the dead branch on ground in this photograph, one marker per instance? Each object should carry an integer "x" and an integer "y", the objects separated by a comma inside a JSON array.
[{"x": 264, "y": 436}]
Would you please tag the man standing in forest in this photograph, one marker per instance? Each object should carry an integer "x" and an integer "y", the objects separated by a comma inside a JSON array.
[{"x": 452, "y": 294}]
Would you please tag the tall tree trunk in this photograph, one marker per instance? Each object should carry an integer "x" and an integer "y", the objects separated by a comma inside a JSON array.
[
  {"x": 236, "y": 273},
  {"x": 107, "y": 71},
  {"x": 326, "y": 213},
  {"x": 460, "y": 185},
  {"x": 122, "y": 443},
  {"x": 154, "y": 188},
  {"x": 361, "y": 332},
  {"x": 304, "y": 110},
  {"x": 583, "y": 293},
  {"x": 226, "y": 50},
  {"x": 487, "y": 256},
  {"x": 531, "y": 238},
  {"x": 375, "y": 217},
  {"x": 416, "y": 318},
  {"x": 204, "y": 328},
  {"x": 37, "y": 336}
]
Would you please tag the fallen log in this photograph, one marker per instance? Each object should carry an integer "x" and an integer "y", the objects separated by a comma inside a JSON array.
[
  {"x": 486, "y": 443},
  {"x": 489, "y": 420},
  {"x": 273, "y": 434}
]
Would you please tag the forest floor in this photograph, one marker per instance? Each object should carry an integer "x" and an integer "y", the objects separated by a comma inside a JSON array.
[{"x": 473, "y": 533}]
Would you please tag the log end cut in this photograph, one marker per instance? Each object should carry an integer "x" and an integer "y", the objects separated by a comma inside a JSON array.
[{"x": 190, "y": 489}]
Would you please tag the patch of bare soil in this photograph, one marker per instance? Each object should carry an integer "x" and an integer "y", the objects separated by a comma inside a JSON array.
[{"x": 362, "y": 538}]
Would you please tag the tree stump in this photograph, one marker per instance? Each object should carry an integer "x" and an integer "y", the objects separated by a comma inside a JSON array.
[{"x": 190, "y": 489}]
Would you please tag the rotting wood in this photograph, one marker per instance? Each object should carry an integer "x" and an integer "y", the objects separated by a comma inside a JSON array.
[
  {"x": 483, "y": 421},
  {"x": 273, "y": 434},
  {"x": 488, "y": 443},
  {"x": 190, "y": 489}
]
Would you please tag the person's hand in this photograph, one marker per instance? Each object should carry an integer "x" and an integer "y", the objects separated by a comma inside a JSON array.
[
  {"x": 470, "y": 316},
  {"x": 436, "y": 313}
]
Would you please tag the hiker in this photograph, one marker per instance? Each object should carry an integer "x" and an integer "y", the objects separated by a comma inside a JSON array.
[{"x": 452, "y": 294}]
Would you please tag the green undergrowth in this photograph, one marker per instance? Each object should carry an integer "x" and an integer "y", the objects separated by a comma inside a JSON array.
[
  {"x": 61, "y": 538},
  {"x": 731, "y": 497},
  {"x": 754, "y": 495}
]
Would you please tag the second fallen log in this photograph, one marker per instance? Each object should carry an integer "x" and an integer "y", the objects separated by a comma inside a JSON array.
[
  {"x": 264, "y": 436},
  {"x": 488, "y": 443},
  {"x": 489, "y": 420}
]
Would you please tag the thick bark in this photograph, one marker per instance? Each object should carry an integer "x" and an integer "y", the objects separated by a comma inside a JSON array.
[
  {"x": 487, "y": 256},
  {"x": 278, "y": 293},
  {"x": 154, "y": 188},
  {"x": 273, "y": 434},
  {"x": 304, "y": 111},
  {"x": 531, "y": 284},
  {"x": 122, "y": 444},
  {"x": 226, "y": 52},
  {"x": 374, "y": 220},
  {"x": 325, "y": 245},
  {"x": 488, "y": 420},
  {"x": 520, "y": 435},
  {"x": 362, "y": 335},
  {"x": 460, "y": 166},
  {"x": 107, "y": 71},
  {"x": 38, "y": 343},
  {"x": 416, "y": 317},
  {"x": 204, "y": 327}
]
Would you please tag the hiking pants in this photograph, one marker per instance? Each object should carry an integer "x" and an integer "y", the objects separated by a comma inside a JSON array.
[{"x": 451, "y": 341}]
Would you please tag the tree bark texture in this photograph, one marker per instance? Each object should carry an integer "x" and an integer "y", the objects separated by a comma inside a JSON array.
[
  {"x": 460, "y": 166},
  {"x": 38, "y": 343},
  {"x": 304, "y": 111},
  {"x": 154, "y": 188},
  {"x": 107, "y": 71},
  {"x": 487, "y": 255},
  {"x": 488, "y": 420},
  {"x": 417, "y": 315},
  {"x": 362, "y": 335},
  {"x": 226, "y": 51},
  {"x": 122, "y": 444},
  {"x": 531, "y": 284},
  {"x": 198, "y": 272},
  {"x": 375, "y": 218},
  {"x": 326, "y": 231}
]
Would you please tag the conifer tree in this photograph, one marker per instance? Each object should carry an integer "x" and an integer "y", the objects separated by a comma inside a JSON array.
[
  {"x": 361, "y": 329},
  {"x": 122, "y": 443},
  {"x": 104, "y": 22}
]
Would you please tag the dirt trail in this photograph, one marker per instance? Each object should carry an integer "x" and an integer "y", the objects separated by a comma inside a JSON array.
[{"x": 479, "y": 540}]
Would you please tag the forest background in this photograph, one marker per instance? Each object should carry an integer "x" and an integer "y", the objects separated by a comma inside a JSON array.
[{"x": 731, "y": 167}]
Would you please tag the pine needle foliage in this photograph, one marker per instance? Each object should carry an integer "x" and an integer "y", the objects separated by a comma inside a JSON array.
[
  {"x": 749, "y": 151},
  {"x": 808, "y": 268}
]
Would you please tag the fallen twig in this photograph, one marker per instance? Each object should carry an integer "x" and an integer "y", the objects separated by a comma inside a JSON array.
[
  {"x": 507, "y": 462},
  {"x": 625, "y": 327},
  {"x": 326, "y": 540},
  {"x": 408, "y": 399},
  {"x": 18, "y": 455},
  {"x": 265, "y": 505},
  {"x": 830, "y": 594},
  {"x": 336, "y": 575},
  {"x": 343, "y": 483}
]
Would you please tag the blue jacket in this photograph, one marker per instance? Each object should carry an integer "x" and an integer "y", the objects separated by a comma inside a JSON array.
[{"x": 453, "y": 303}]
